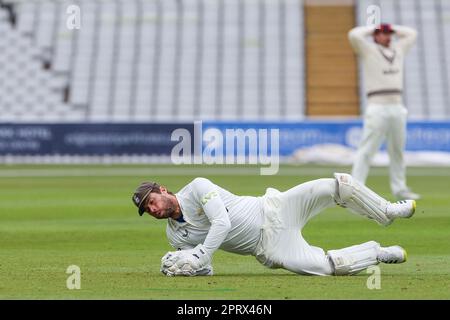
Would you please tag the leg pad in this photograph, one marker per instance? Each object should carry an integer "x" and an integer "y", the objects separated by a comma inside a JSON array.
[
  {"x": 351, "y": 260},
  {"x": 361, "y": 200}
]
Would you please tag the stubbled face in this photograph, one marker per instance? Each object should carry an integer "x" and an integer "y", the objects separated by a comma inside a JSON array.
[
  {"x": 382, "y": 38},
  {"x": 161, "y": 205}
]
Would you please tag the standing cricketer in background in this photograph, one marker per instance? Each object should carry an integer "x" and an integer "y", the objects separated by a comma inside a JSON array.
[
  {"x": 385, "y": 115},
  {"x": 203, "y": 217}
]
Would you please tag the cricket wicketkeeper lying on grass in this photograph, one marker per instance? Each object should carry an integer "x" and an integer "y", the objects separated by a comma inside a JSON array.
[{"x": 203, "y": 217}]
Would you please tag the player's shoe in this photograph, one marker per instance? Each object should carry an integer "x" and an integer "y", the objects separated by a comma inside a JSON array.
[
  {"x": 407, "y": 195},
  {"x": 393, "y": 254},
  {"x": 401, "y": 209}
]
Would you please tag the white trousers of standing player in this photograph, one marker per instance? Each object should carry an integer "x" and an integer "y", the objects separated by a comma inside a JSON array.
[
  {"x": 286, "y": 213},
  {"x": 386, "y": 122}
]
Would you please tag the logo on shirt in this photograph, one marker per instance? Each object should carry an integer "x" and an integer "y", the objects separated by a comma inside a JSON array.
[
  {"x": 391, "y": 71},
  {"x": 186, "y": 234},
  {"x": 209, "y": 196}
]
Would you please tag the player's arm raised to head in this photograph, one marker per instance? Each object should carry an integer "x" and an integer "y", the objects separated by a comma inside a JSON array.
[
  {"x": 406, "y": 36},
  {"x": 216, "y": 212},
  {"x": 359, "y": 40}
]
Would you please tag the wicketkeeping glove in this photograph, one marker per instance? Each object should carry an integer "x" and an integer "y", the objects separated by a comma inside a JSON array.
[
  {"x": 197, "y": 257},
  {"x": 192, "y": 262}
]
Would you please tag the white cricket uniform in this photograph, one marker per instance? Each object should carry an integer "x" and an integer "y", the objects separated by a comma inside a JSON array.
[
  {"x": 225, "y": 221},
  {"x": 268, "y": 227},
  {"x": 385, "y": 115}
]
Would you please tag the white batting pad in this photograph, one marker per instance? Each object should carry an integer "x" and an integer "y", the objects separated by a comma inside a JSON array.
[
  {"x": 360, "y": 199},
  {"x": 351, "y": 260}
]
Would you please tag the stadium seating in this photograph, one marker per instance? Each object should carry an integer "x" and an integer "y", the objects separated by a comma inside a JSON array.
[
  {"x": 168, "y": 60},
  {"x": 154, "y": 60},
  {"x": 28, "y": 92}
]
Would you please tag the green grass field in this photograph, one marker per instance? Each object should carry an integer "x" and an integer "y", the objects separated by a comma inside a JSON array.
[{"x": 52, "y": 217}]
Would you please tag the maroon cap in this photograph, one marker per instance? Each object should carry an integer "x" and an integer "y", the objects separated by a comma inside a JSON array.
[{"x": 384, "y": 28}]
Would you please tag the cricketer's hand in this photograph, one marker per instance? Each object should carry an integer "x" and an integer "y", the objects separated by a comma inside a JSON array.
[{"x": 192, "y": 262}]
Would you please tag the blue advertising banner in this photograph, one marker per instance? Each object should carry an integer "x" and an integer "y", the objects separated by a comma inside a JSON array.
[
  {"x": 421, "y": 135},
  {"x": 88, "y": 139},
  {"x": 155, "y": 139}
]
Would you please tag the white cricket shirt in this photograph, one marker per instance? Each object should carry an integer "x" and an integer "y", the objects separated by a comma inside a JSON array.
[
  {"x": 217, "y": 218},
  {"x": 383, "y": 67}
]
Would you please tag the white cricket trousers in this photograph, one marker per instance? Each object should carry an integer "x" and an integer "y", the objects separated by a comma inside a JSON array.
[
  {"x": 383, "y": 122},
  {"x": 286, "y": 213}
]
